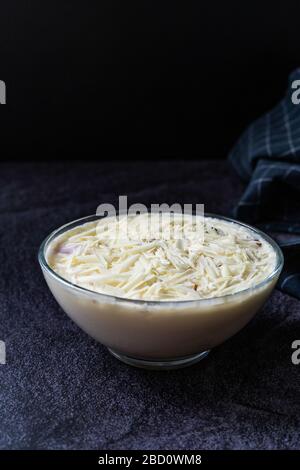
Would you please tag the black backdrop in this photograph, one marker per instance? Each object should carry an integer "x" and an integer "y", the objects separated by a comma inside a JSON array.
[{"x": 146, "y": 79}]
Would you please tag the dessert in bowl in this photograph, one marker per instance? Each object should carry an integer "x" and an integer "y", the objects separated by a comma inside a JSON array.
[{"x": 160, "y": 298}]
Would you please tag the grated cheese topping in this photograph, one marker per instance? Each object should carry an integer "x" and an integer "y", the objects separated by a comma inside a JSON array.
[{"x": 188, "y": 258}]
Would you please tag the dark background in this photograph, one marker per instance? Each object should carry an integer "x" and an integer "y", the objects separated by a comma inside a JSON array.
[
  {"x": 105, "y": 79},
  {"x": 146, "y": 79}
]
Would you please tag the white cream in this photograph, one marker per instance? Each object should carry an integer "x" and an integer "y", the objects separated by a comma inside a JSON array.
[
  {"x": 228, "y": 259},
  {"x": 190, "y": 258}
]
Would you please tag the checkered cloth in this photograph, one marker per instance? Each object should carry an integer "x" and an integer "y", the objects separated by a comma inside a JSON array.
[{"x": 268, "y": 156}]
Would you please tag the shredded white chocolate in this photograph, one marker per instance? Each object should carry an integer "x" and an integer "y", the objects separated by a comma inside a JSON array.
[{"x": 105, "y": 257}]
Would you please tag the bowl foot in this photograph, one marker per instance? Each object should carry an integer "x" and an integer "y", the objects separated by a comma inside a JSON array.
[{"x": 167, "y": 364}]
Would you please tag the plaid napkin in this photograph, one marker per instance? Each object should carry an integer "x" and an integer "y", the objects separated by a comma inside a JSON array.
[{"x": 268, "y": 156}]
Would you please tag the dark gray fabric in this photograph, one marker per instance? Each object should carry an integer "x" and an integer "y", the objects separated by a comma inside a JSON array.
[
  {"x": 268, "y": 155},
  {"x": 62, "y": 390}
]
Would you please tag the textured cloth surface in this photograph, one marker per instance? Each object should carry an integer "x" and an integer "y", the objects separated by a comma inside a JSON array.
[
  {"x": 62, "y": 390},
  {"x": 268, "y": 155}
]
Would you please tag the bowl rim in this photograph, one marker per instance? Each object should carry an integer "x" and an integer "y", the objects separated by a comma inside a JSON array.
[{"x": 162, "y": 303}]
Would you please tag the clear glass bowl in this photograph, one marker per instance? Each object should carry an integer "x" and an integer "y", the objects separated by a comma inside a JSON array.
[{"x": 157, "y": 334}]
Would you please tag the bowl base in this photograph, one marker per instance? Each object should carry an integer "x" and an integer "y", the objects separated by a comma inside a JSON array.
[{"x": 167, "y": 364}]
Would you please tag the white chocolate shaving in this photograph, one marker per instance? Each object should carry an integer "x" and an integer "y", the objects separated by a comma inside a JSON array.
[{"x": 229, "y": 258}]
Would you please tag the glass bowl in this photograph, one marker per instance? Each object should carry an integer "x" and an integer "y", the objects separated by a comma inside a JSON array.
[{"x": 157, "y": 334}]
